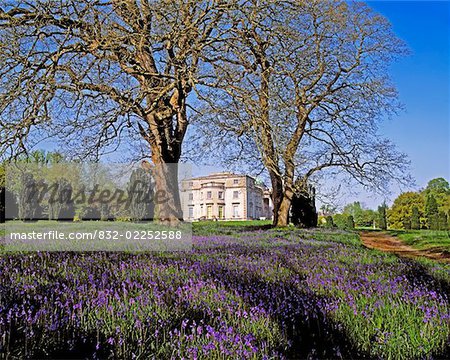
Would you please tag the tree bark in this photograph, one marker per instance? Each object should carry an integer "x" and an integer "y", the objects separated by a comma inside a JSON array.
[
  {"x": 283, "y": 210},
  {"x": 277, "y": 195},
  {"x": 167, "y": 197},
  {"x": 166, "y": 152}
]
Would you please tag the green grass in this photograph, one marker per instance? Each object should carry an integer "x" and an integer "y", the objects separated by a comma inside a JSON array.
[
  {"x": 228, "y": 227},
  {"x": 424, "y": 239},
  {"x": 98, "y": 236},
  {"x": 247, "y": 277}
]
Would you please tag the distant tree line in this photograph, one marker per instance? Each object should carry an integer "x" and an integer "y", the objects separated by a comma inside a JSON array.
[
  {"x": 24, "y": 203},
  {"x": 428, "y": 208},
  {"x": 425, "y": 209}
]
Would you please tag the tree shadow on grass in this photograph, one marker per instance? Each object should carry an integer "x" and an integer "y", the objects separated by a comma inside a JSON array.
[
  {"x": 420, "y": 274},
  {"x": 300, "y": 314}
]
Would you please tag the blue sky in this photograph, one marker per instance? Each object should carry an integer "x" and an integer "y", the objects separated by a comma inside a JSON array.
[{"x": 422, "y": 131}]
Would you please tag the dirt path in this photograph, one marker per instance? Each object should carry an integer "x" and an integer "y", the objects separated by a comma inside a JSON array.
[{"x": 384, "y": 242}]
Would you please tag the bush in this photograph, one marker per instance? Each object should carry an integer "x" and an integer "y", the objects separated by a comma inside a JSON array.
[
  {"x": 303, "y": 210},
  {"x": 340, "y": 220},
  {"x": 344, "y": 222},
  {"x": 329, "y": 224},
  {"x": 350, "y": 223},
  {"x": 90, "y": 213}
]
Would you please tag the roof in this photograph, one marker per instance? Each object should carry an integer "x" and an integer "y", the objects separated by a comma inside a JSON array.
[{"x": 218, "y": 175}]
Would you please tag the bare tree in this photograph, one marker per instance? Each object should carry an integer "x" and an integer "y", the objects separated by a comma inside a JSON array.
[
  {"x": 96, "y": 72},
  {"x": 306, "y": 83}
]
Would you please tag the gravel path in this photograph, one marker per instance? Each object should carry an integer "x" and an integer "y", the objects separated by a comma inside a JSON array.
[{"x": 385, "y": 242}]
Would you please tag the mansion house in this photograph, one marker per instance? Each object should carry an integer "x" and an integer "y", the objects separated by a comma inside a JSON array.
[{"x": 224, "y": 196}]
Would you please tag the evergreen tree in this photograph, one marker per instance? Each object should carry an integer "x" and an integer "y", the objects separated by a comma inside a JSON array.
[
  {"x": 141, "y": 205},
  {"x": 303, "y": 210},
  {"x": 29, "y": 202},
  {"x": 329, "y": 222},
  {"x": 442, "y": 221},
  {"x": 415, "y": 219},
  {"x": 431, "y": 212},
  {"x": 350, "y": 223},
  {"x": 382, "y": 218}
]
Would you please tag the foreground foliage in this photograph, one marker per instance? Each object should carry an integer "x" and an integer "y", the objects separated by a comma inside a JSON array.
[{"x": 250, "y": 294}]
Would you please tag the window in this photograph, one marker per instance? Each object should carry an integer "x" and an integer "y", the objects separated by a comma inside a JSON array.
[
  {"x": 201, "y": 196},
  {"x": 191, "y": 212},
  {"x": 209, "y": 194},
  {"x": 235, "y": 194},
  {"x": 191, "y": 183},
  {"x": 191, "y": 196},
  {"x": 236, "y": 181},
  {"x": 235, "y": 211},
  {"x": 220, "y": 195},
  {"x": 221, "y": 213},
  {"x": 209, "y": 212}
]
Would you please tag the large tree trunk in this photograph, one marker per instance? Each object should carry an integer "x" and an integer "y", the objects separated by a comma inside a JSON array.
[
  {"x": 2, "y": 205},
  {"x": 282, "y": 218},
  {"x": 167, "y": 197},
  {"x": 166, "y": 152},
  {"x": 277, "y": 195}
]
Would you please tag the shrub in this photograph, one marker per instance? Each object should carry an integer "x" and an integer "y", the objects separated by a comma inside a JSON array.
[
  {"x": 344, "y": 222},
  {"x": 329, "y": 222},
  {"x": 303, "y": 210},
  {"x": 90, "y": 213},
  {"x": 350, "y": 223},
  {"x": 340, "y": 220}
]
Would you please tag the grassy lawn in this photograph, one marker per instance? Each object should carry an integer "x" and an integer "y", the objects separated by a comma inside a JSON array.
[
  {"x": 228, "y": 227},
  {"x": 95, "y": 236},
  {"x": 244, "y": 292},
  {"x": 424, "y": 239}
]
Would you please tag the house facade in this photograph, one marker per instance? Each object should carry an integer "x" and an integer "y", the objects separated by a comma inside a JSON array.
[{"x": 224, "y": 196}]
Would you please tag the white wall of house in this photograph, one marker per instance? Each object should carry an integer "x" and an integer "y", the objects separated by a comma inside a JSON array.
[{"x": 222, "y": 196}]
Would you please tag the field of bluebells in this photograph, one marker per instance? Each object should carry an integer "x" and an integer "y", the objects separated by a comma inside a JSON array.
[{"x": 241, "y": 293}]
